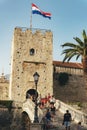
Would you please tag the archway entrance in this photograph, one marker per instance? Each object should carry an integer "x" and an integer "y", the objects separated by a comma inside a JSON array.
[{"x": 31, "y": 93}]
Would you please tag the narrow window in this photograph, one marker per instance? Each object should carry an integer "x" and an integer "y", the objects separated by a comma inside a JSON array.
[{"x": 32, "y": 51}]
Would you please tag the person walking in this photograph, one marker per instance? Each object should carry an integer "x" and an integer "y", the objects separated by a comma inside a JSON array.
[
  {"x": 67, "y": 120},
  {"x": 79, "y": 126},
  {"x": 47, "y": 119},
  {"x": 52, "y": 99},
  {"x": 52, "y": 109}
]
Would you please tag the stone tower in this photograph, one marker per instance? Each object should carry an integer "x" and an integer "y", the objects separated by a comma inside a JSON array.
[
  {"x": 31, "y": 52},
  {"x": 4, "y": 87}
]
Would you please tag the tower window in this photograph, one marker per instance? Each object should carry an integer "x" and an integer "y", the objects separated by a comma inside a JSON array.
[{"x": 32, "y": 51}]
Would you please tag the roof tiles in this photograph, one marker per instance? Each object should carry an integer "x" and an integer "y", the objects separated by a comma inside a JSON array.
[{"x": 68, "y": 64}]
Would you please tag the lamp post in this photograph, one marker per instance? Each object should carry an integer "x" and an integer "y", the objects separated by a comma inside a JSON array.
[{"x": 36, "y": 78}]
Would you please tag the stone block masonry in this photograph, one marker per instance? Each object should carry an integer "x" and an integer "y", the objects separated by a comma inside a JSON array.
[{"x": 31, "y": 52}]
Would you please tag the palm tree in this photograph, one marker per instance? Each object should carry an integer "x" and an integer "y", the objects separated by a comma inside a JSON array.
[{"x": 78, "y": 49}]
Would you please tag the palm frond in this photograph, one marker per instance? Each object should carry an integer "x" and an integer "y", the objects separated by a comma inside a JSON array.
[
  {"x": 84, "y": 37},
  {"x": 67, "y": 50},
  {"x": 70, "y": 57},
  {"x": 75, "y": 49},
  {"x": 84, "y": 34},
  {"x": 68, "y": 45},
  {"x": 78, "y": 40},
  {"x": 78, "y": 56},
  {"x": 65, "y": 58}
]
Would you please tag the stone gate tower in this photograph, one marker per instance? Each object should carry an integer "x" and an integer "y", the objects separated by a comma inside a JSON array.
[{"x": 31, "y": 52}]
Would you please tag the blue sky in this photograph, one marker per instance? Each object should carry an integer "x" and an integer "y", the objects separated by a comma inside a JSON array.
[{"x": 69, "y": 18}]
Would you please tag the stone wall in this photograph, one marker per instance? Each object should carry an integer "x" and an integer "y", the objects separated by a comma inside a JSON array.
[
  {"x": 73, "y": 91},
  {"x": 69, "y": 70},
  {"x": 4, "y": 88}
]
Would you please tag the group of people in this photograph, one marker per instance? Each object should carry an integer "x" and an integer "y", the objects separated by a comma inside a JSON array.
[
  {"x": 46, "y": 101},
  {"x": 49, "y": 103},
  {"x": 67, "y": 118},
  {"x": 48, "y": 117}
]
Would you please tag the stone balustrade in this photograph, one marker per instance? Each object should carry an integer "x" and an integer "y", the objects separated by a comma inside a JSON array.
[
  {"x": 29, "y": 108},
  {"x": 76, "y": 114}
]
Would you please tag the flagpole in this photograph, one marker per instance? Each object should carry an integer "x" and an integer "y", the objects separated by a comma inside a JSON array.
[{"x": 30, "y": 14}]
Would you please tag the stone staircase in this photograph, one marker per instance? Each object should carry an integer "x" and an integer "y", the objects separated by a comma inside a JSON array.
[
  {"x": 61, "y": 108},
  {"x": 57, "y": 123}
]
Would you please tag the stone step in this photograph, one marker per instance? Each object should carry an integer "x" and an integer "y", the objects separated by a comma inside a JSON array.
[{"x": 57, "y": 123}]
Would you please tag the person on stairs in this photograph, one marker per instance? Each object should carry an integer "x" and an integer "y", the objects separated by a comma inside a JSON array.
[
  {"x": 67, "y": 120},
  {"x": 79, "y": 126},
  {"x": 48, "y": 118}
]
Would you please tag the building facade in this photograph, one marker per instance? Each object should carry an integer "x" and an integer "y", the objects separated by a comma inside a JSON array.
[{"x": 75, "y": 72}]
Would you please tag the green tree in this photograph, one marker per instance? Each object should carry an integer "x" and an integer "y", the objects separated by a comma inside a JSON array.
[
  {"x": 78, "y": 49},
  {"x": 63, "y": 78}
]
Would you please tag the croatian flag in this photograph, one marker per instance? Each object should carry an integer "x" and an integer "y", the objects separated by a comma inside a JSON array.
[{"x": 36, "y": 10}]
